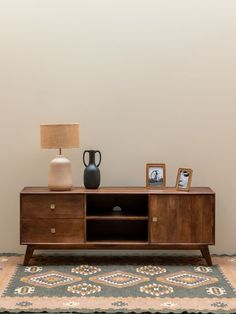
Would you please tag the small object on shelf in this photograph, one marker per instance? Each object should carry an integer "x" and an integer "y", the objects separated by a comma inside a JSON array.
[
  {"x": 155, "y": 176},
  {"x": 92, "y": 175},
  {"x": 183, "y": 180},
  {"x": 117, "y": 209},
  {"x": 60, "y": 136}
]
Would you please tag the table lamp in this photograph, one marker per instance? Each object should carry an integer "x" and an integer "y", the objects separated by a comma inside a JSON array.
[{"x": 60, "y": 136}]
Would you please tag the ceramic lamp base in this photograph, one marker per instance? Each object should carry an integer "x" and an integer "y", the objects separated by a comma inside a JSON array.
[{"x": 60, "y": 176}]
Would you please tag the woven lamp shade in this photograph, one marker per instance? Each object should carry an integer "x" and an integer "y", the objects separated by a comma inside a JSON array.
[{"x": 59, "y": 135}]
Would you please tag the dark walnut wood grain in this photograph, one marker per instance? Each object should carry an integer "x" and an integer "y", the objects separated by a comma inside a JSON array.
[
  {"x": 182, "y": 219},
  {"x": 116, "y": 190},
  {"x": 52, "y": 231},
  {"x": 117, "y": 218},
  {"x": 52, "y": 206}
]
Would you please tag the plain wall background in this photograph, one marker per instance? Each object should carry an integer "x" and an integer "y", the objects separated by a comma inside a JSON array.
[{"x": 148, "y": 81}]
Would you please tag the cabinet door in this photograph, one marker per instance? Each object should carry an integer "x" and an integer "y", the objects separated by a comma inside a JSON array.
[{"x": 181, "y": 218}]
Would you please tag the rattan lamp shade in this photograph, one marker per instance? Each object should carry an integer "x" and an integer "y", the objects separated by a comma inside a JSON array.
[{"x": 59, "y": 135}]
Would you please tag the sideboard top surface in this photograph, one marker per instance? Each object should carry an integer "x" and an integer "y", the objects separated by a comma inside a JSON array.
[{"x": 118, "y": 190}]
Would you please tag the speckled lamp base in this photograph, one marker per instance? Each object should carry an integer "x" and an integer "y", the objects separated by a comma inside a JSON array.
[{"x": 60, "y": 176}]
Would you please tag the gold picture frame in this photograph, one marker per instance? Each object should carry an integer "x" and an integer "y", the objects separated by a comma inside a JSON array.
[
  {"x": 184, "y": 179},
  {"x": 155, "y": 175}
]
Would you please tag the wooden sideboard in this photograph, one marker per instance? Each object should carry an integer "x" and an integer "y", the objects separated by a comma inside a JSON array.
[{"x": 117, "y": 218}]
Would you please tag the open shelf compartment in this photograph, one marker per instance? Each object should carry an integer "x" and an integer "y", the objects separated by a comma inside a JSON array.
[
  {"x": 117, "y": 205},
  {"x": 116, "y": 230}
]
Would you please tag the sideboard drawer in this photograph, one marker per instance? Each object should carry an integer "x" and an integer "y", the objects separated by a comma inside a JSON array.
[
  {"x": 52, "y": 206},
  {"x": 52, "y": 231}
]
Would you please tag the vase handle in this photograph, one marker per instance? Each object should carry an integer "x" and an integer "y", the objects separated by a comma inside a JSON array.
[
  {"x": 100, "y": 157},
  {"x": 86, "y": 151}
]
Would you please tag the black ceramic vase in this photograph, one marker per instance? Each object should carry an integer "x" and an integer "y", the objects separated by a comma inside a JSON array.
[{"x": 91, "y": 172}]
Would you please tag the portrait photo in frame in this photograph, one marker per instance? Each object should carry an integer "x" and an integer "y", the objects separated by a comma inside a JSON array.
[
  {"x": 184, "y": 179},
  {"x": 155, "y": 176}
]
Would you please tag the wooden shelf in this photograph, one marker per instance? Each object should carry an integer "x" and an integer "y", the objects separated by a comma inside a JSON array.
[
  {"x": 117, "y": 230},
  {"x": 115, "y": 242},
  {"x": 117, "y": 190},
  {"x": 117, "y": 205},
  {"x": 117, "y": 217}
]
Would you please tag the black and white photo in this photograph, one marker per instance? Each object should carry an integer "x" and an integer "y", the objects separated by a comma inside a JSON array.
[
  {"x": 155, "y": 176},
  {"x": 184, "y": 177}
]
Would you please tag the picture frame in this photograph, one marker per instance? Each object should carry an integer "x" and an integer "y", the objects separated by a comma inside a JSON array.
[
  {"x": 155, "y": 175},
  {"x": 184, "y": 179}
]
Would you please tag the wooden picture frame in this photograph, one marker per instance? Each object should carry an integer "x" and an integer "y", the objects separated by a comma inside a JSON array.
[
  {"x": 184, "y": 179},
  {"x": 155, "y": 176}
]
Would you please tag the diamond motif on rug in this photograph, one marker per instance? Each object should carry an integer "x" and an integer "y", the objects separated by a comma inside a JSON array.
[
  {"x": 50, "y": 279},
  {"x": 24, "y": 304},
  {"x": 156, "y": 290},
  {"x": 119, "y": 279},
  {"x": 216, "y": 291},
  {"x": 33, "y": 269},
  {"x": 151, "y": 270},
  {"x": 187, "y": 279},
  {"x": 24, "y": 290},
  {"x": 84, "y": 289},
  {"x": 119, "y": 303},
  {"x": 72, "y": 304},
  {"x": 203, "y": 269},
  {"x": 85, "y": 270}
]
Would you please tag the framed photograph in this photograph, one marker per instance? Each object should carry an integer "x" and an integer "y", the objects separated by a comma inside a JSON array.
[
  {"x": 184, "y": 178},
  {"x": 155, "y": 176}
]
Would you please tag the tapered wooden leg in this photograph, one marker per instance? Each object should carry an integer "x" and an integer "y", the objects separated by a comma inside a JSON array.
[
  {"x": 28, "y": 254},
  {"x": 206, "y": 254}
]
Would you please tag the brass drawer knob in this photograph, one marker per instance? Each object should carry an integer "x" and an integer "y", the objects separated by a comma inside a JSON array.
[
  {"x": 53, "y": 230},
  {"x": 52, "y": 206},
  {"x": 154, "y": 219}
]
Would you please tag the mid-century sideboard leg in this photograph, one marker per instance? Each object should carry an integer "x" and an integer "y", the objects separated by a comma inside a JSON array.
[
  {"x": 28, "y": 254},
  {"x": 206, "y": 254}
]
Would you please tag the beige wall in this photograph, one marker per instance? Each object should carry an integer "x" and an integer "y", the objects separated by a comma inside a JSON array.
[{"x": 149, "y": 81}]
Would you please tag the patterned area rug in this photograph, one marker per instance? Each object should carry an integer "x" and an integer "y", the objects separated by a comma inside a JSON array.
[{"x": 118, "y": 284}]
